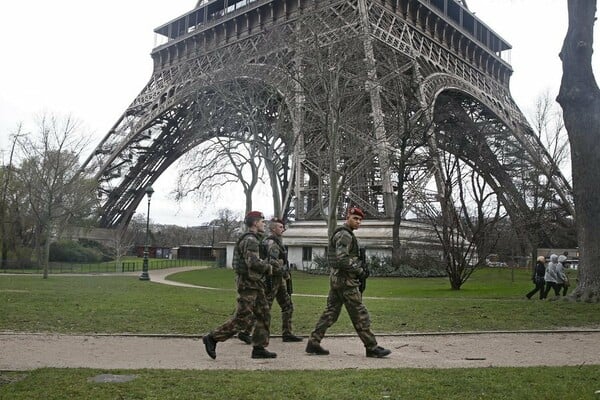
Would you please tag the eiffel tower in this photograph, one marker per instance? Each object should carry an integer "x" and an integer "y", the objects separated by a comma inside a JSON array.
[{"x": 454, "y": 64}]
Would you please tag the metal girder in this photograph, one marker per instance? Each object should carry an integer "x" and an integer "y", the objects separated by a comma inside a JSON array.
[{"x": 255, "y": 43}]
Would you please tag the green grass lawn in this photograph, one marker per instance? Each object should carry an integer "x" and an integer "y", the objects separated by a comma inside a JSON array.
[
  {"x": 548, "y": 383},
  {"x": 493, "y": 299}
]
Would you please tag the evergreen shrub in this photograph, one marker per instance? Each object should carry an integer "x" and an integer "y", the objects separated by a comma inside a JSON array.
[
  {"x": 411, "y": 266},
  {"x": 72, "y": 251}
]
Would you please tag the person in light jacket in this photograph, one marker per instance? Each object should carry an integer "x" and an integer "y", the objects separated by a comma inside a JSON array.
[
  {"x": 551, "y": 276},
  {"x": 563, "y": 279}
]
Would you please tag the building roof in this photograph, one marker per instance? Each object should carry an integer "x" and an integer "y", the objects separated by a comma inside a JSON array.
[{"x": 372, "y": 233}]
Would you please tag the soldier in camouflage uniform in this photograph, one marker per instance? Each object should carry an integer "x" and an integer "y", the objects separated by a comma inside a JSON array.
[
  {"x": 344, "y": 280},
  {"x": 252, "y": 303},
  {"x": 277, "y": 256}
]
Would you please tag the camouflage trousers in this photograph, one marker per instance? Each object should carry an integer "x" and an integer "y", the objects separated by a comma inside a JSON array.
[
  {"x": 252, "y": 308},
  {"x": 284, "y": 300},
  {"x": 351, "y": 298}
]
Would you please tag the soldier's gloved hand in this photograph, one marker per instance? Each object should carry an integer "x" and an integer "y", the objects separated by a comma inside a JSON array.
[
  {"x": 280, "y": 265},
  {"x": 363, "y": 274},
  {"x": 275, "y": 266}
]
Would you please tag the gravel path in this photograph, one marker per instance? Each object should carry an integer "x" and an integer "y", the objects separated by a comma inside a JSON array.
[
  {"x": 22, "y": 351},
  {"x": 25, "y": 351}
]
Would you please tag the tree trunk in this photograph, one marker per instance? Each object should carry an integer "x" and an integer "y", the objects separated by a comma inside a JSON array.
[
  {"x": 275, "y": 191},
  {"x": 396, "y": 246},
  {"x": 334, "y": 195},
  {"x": 6, "y": 175},
  {"x": 248, "y": 197},
  {"x": 579, "y": 98},
  {"x": 46, "y": 254}
]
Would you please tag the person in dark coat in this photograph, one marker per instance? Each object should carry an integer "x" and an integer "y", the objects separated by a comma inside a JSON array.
[{"x": 538, "y": 278}]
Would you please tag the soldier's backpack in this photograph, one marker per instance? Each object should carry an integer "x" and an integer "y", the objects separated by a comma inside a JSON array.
[{"x": 238, "y": 262}]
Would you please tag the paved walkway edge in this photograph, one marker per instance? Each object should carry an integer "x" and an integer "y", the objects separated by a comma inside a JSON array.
[{"x": 23, "y": 351}]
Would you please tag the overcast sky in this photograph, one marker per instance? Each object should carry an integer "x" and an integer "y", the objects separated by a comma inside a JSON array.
[{"x": 90, "y": 60}]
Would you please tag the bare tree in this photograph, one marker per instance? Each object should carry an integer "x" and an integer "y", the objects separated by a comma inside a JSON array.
[
  {"x": 18, "y": 221},
  {"x": 481, "y": 212},
  {"x": 6, "y": 217},
  {"x": 579, "y": 98},
  {"x": 407, "y": 125},
  {"x": 361, "y": 116},
  {"x": 548, "y": 125},
  {"x": 227, "y": 226},
  {"x": 219, "y": 162},
  {"x": 465, "y": 219},
  {"x": 330, "y": 77},
  {"x": 49, "y": 171},
  {"x": 258, "y": 112},
  {"x": 124, "y": 240},
  {"x": 250, "y": 142},
  {"x": 276, "y": 152},
  {"x": 547, "y": 227}
]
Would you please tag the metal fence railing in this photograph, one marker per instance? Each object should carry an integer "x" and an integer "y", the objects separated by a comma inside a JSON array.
[{"x": 20, "y": 267}]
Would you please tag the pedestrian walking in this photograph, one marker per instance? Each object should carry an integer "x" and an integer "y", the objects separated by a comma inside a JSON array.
[
  {"x": 551, "y": 277},
  {"x": 538, "y": 277},
  {"x": 562, "y": 278},
  {"x": 346, "y": 273},
  {"x": 252, "y": 304},
  {"x": 280, "y": 283}
]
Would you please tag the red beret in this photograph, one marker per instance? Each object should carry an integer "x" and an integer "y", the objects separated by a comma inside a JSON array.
[
  {"x": 255, "y": 214},
  {"x": 356, "y": 211}
]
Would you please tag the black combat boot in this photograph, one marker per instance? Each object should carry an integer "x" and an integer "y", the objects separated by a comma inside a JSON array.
[
  {"x": 261, "y": 352},
  {"x": 378, "y": 352},
  {"x": 315, "y": 348},
  {"x": 289, "y": 337},
  {"x": 244, "y": 337},
  {"x": 210, "y": 345}
]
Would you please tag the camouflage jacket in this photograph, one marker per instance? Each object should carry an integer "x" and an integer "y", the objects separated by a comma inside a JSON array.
[
  {"x": 276, "y": 255},
  {"x": 250, "y": 268},
  {"x": 343, "y": 257}
]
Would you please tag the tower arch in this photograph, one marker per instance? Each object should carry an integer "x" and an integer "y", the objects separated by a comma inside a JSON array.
[
  {"x": 456, "y": 60},
  {"x": 504, "y": 144},
  {"x": 145, "y": 145}
]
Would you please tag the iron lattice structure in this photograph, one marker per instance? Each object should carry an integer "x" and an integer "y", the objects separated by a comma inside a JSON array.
[{"x": 431, "y": 58}]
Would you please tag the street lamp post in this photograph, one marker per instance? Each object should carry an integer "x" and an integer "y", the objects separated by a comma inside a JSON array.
[{"x": 144, "y": 276}]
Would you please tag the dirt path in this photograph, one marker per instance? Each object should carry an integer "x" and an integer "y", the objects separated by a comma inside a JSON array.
[
  {"x": 30, "y": 351},
  {"x": 24, "y": 351}
]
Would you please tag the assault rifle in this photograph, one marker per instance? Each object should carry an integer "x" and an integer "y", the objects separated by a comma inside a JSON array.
[
  {"x": 288, "y": 282},
  {"x": 263, "y": 252},
  {"x": 362, "y": 256},
  {"x": 269, "y": 282}
]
